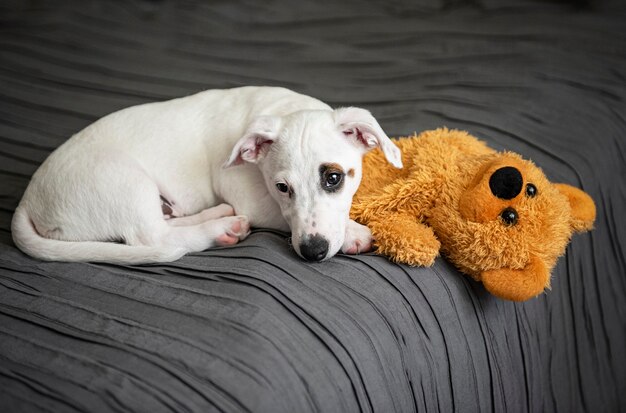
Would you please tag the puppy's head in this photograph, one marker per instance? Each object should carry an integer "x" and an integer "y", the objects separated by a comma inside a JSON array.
[
  {"x": 311, "y": 163},
  {"x": 509, "y": 224}
]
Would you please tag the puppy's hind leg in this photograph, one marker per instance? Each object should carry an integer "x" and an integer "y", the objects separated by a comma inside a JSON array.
[
  {"x": 219, "y": 211},
  {"x": 140, "y": 220},
  {"x": 212, "y": 227},
  {"x": 218, "y": 232}
]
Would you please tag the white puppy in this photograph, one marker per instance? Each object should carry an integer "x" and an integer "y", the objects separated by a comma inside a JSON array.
[{"x": 142, "y": 184}]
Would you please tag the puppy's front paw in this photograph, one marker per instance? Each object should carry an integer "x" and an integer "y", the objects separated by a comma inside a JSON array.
[
  {"x": 358, "y": 239},
  {"x": 236, "y": 229}
]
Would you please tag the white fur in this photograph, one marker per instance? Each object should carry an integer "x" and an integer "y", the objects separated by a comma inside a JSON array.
[{"x": 219, "y": 146}]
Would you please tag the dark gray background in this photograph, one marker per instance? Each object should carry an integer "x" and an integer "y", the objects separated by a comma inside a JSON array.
[{"x": 253, "y": 328}]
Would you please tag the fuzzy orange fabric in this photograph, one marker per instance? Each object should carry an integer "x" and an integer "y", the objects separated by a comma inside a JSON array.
[{"x": 492, "y": 214}]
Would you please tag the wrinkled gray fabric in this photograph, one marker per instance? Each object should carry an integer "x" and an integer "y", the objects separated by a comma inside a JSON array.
[{"x": 252, "y": 327}]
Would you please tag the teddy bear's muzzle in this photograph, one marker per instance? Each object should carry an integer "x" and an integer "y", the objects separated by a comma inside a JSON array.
[
  {"x": 517, "y": 285},
  {"x": 491, "y": 195}
]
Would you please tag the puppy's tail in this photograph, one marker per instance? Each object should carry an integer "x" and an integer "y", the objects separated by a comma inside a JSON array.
[{"x": 29, "y": 241}]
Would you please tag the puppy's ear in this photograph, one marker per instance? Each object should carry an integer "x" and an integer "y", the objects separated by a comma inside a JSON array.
[
  {"x": 255, "y": 143},
  {"x": 583, "y": 208},
  {"x": 360, "y": 125}
]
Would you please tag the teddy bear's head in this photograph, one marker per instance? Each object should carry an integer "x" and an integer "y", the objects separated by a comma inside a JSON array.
[{"x": 505, "y": 224}]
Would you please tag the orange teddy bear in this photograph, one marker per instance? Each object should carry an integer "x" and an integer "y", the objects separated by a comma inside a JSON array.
[{"x": 492, "y": 214}]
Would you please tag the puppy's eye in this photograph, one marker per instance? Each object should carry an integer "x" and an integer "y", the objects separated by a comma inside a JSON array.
[
  {"x": 531, "y": 190},
  {"x": 333, "y": 179},
  {"x": 282, "y": 187},
  {"x": 509, "y": 216}
]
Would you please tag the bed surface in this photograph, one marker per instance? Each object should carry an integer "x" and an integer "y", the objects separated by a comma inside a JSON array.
[{"x": 253, "y": 328}]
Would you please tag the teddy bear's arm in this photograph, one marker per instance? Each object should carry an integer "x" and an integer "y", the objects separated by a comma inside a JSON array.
[
  {"x": 409, "y": 196},
  {"x": 395, "y": 215},
  {"x": 403, "y": 239}
]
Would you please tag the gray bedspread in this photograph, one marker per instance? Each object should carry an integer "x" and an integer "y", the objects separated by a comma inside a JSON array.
[{"x": 253, "y": 328}]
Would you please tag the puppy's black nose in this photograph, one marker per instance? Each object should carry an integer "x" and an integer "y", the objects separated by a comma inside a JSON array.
[
  {"x": 506, "y": 182},
  {"x": 314, "y": 248}
]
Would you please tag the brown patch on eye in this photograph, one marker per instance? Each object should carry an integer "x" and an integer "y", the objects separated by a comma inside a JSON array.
[
  {"x": 333, "y": 167},
  {"x": 351, "y": 173}
]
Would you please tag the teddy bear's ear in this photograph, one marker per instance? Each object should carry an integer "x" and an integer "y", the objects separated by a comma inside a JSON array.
[
  {"x": 583, "y": 208},
  {"x": 359, "y": 124},
  {"x": 517, "y": 285}
]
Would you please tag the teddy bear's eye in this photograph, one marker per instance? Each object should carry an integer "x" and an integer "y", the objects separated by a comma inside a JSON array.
[
  {"x": 531, "y": 190},
  {"x": 509, "y": 216}
]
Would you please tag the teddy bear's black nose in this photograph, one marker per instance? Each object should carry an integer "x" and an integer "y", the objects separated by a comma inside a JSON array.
[{"x": 506, "y": 182}]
